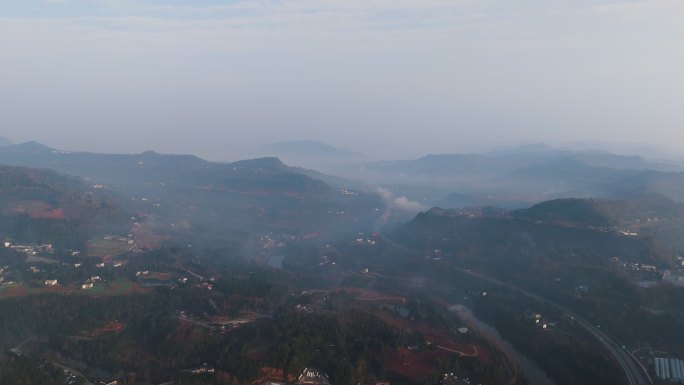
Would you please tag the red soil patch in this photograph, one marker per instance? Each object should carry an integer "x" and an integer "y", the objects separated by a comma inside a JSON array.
[
  {"x": 419, "y": 366},
  {"x": 447, "y": 344},
  {"x": 444, "y": 342},
  {"x": 115, "y": 288},
  {"x": 60, "y": 289},
  {"x": 16, "y": 291},
  {"x": 372, "y": 295},
  {"x": 158, "y": 276},
  {"x": 416, "y": 366},
  {"x": 48, "y": 214},
  {"x": 111, "y": 327},
  {"x": 272, "y": 374},
  {"x": 440, "y": 342},
  {"x": 38, "y": 210}
]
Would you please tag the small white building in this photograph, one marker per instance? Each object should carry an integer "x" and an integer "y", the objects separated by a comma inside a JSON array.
[
  {"x": 313, "y": 376},
  {"x": 51, "y": 282},
  {"x": 86, "y": 286}
]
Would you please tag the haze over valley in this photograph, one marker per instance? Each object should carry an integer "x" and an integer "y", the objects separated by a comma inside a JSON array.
[
  {"x": 546, "y": 234},
  {"x": 404, "y": 192}
]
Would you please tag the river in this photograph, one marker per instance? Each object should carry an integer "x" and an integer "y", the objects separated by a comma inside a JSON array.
[{"x": 532, "y": 371}]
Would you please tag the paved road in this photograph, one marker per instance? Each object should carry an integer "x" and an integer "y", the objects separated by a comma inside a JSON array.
[
  {"x": 635, "y": 373},
  {"x": 74, "y": 371},
  {"x": 19, "y": 349}
]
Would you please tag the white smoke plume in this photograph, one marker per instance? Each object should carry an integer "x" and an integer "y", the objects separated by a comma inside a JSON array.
[{"x": 402, "y": 203}]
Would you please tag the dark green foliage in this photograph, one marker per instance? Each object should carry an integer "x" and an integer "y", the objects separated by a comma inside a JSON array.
[
  {"x": 582, "y": 211},
  {"x": 568, "y": 354},
  {"x": 24, "y": 370}
]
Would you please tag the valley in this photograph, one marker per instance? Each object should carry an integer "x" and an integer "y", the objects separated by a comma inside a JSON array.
[{"x": 212, "y": 273}]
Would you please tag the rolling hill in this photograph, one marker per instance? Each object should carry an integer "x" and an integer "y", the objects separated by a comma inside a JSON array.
[
  {"x": 251, "y": 195},
  {"x": 39, "y": 205}
]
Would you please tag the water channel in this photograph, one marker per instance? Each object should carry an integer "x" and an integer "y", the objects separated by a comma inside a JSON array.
[{"x": 532, "y": 371}]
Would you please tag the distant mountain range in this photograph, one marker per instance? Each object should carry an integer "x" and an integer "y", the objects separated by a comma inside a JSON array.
[
  {"x": 312, "y": 154},
  {"x": 251, "y": 195},
  {"x": 521, "y": 176},
  {"x": 512, "y": 178},
  {"x": 31, "y": 147}
]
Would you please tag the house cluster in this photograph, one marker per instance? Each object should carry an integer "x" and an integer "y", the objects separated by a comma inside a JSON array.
[
  {"x": 270, "y": 241},
  {"x": 313, "y": 376},
  {"x": 454, "y": 379},
  {"x": 304, "y": 309},
  {"x": 628, "y": 233},
  {"x": 71, "y": 378},
  {"x": 310, "y": 376},
  {"x": 114, "y": 264},
  {"x": 222, "y": 323},
  {"x": 634, "y": 266},
  {"x": 204, "y": 369},
  {"x": 679, "y": 262},
  {"x": 3, "y": 271},
  {"x": 31, "y": 250},
  {"x": 673, "y": 278},
  {"x": 122, "y": 239},
  {"x": 90, "y": 283},
  {"x": 362, "y": 239},
  {"x": 540, "y": 321},
  {"x": 325, "y": 260}
]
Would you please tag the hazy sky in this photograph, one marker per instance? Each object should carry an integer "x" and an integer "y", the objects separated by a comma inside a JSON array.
[{"x": 395, "y": 77}]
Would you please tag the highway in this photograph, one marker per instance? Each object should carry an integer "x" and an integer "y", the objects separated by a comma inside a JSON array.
[{"x": 635, "y": 373}]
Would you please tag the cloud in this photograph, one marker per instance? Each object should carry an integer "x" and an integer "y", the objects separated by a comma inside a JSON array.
[{"x": 245, "y": 25}]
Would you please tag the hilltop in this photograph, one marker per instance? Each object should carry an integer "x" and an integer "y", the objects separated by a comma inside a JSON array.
[{"x": 305, "y": 148}]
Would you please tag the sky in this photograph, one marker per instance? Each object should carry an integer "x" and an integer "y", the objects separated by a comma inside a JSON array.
[{"x": 391, "y": 78}]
